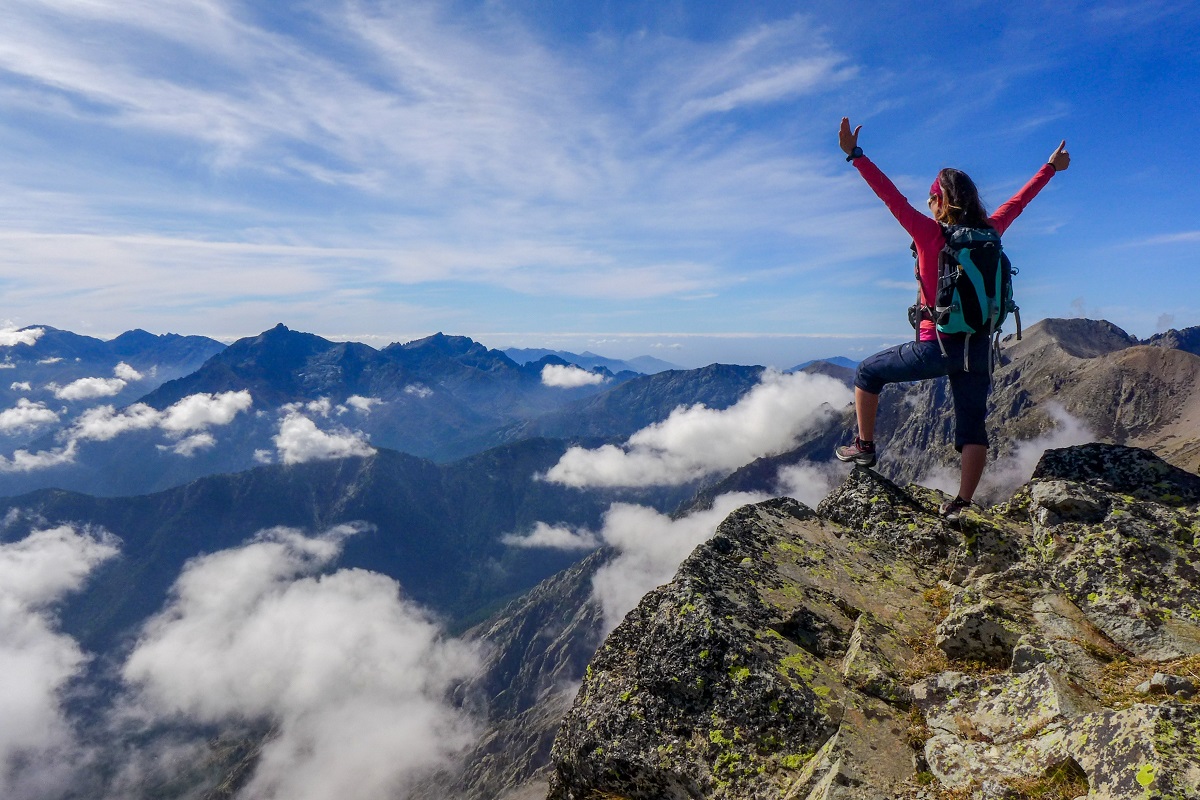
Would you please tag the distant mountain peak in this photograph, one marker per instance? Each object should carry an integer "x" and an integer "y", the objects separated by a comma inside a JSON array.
[
  {"x": 1083, "y": 338},
  {"x": 441, "y": 341}
]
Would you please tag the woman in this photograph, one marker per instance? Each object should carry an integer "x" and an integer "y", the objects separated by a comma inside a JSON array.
[{"x": 953, "y": 200}]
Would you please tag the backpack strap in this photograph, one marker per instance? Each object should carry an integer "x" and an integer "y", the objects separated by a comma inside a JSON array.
[{"x": 927, "y": 309}]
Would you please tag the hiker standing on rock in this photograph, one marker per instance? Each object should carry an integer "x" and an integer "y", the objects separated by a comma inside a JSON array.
[{"x": 965, "y": 359}]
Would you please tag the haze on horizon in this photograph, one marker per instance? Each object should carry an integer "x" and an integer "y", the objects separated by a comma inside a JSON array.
[{"x": 628, "y": 178}]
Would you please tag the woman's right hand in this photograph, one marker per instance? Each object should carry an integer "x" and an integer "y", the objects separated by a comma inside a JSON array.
[
  {"x": 849, "y": 140},
  {"x": 1060, "y": 159}
]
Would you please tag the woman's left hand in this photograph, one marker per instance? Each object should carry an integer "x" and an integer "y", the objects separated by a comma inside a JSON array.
[{"x": 847, "y": 139}]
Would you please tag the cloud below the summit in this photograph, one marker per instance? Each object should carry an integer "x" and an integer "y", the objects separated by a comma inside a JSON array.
[
  {"x": 26, "y": 416},
  {"x": 37, "y": 743},
  {"x": 194, "y": 414},
  {"x": 650, "y": 547},
  {"x": 1006, "y": 474},
  {"x": 697, "y": 441},
  {"x": 300, "y": 440},
  {"x": 91, "y": 388},
  {"x": 569, "y": 376},
  {"x": 351, "y": 677},
  {"x": 554, "y": 537}
]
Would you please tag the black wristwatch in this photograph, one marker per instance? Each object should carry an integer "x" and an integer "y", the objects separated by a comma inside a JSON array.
[{"x": 855, "y": 153}]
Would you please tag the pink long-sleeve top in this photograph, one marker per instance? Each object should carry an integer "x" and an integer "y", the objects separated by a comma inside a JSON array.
[{"x": 927, "y": 232}]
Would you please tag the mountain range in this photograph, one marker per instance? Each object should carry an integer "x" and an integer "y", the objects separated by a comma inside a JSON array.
[
  {"x": 441, "y": 397},
  {"x": 435, "y": 453},
  {"x": 647, "y": 365},
  {"x": 50, "y": 375}
]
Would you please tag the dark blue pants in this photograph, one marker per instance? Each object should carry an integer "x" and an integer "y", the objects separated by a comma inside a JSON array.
[{"x": 918, "y": 361}]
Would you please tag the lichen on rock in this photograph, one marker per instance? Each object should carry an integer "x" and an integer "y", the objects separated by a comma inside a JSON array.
[{"x": 870, "y": 650}]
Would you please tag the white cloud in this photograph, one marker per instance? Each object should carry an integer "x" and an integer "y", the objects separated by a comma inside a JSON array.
[
  {"x": 300, "y": 440},
  {"x": 562, "y": 181},
  {"x": 698, "y": 441},
  {"x": 810, "y": 482},
  {"x": 21, "y": 386},
  {"x": 126, "y": 372},
  {"x": 102, "y": 423},
  {"x": 418, "y": 390},
  {"x": 199, "y": 411},
  {"x": 25, "y": 461},
  {"x": 88, "y": 388},
  {"x": 53, "y": 360},
  {"x": 11, "y": 336},
  {"x": 555, "y": 537},
  {"x": 1006, "y": 474},
  {"x": 189, "y": 446},
  {"x": 264, "y": 456},
  {"x": 650, "y": 547},
  {"x": 26, "y": 415},
  {"x": 36, "y": 739},
  {"x": 352, "y": 678},
  {"x": 193, "y": 414},
  {"x": 322, "y": 406},
  {"x": 569, "y": 376},
  {"x": 362, "y": 405}
]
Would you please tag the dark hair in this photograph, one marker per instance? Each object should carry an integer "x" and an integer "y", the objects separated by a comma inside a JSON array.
[{"x": 960, "y": 200}]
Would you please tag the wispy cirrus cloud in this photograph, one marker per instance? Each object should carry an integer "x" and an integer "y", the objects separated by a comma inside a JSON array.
[{"x": 431, "y": 125}]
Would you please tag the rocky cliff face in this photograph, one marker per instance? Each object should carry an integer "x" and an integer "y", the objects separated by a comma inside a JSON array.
[{"x": 868, "y": 649}]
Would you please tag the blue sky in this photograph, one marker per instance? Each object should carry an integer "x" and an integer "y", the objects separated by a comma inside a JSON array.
[{"x": 627, "y": 178}]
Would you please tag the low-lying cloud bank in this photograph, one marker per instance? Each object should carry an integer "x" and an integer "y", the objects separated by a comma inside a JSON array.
[
  {"x": 188, "y": 425},
  {"x": 650, "y": 547},
  {"x": 39, "y": 751},
  {"x": 698, "y": 441},
  {"x": 351, "y": 679},
  {"x": 1006, "y": 474}
]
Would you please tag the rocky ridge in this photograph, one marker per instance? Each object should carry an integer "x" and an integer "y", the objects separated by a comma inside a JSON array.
[{"x": 868, "y": 649}]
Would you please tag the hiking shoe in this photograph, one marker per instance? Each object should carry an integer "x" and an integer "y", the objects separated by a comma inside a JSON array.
[
  {"x": 860, "y": 453},
  {"x": 952, "y": 510}
]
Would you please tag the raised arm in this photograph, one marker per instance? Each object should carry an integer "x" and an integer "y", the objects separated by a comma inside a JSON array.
[
  {"x": 916, "y": 223},
  {"x": 1004, "y": 216}
]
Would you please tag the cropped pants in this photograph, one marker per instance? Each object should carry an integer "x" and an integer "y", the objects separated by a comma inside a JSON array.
[{"x": 918, "y": 361}]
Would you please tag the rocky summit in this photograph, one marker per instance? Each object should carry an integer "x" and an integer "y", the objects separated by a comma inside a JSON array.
[{"x": 1048, "y": 647}]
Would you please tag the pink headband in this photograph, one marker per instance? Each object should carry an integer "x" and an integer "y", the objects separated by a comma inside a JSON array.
[{"x": 936, "y": 188}]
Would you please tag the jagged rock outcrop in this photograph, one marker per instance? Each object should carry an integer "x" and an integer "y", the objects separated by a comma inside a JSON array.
[{"x": 868, "y": 649}]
